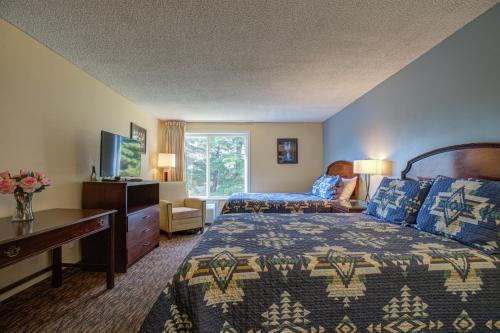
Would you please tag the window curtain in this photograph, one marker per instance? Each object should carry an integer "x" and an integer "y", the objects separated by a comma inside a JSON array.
[{"x": 172, "y": 141}]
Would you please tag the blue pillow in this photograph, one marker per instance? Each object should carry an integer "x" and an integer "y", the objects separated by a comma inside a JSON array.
[
  {"x": 316, "y": 184},
  {"x": 325, "y": 186},
  {"x": 467, "y": 210},
  {"x": 398, "y": 201}
]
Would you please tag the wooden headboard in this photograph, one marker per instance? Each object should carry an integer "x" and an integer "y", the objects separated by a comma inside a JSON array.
[
  {"x": 343, "y": 169},
  {"x": 475, "y": 160}
]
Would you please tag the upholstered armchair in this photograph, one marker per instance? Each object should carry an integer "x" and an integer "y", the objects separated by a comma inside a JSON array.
[{"x": 177, "y": 211}]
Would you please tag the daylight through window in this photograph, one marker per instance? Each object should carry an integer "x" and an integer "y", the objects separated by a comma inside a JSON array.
[{"x": 216, "y": 164}]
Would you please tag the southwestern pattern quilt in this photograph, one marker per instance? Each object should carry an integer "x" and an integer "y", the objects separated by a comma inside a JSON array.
[
  {"x": 343, "y": 273},
  {"x": 276, "y": 203}
]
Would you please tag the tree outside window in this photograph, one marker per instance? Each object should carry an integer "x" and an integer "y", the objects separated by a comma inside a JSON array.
[{"x": 219, "y": 158}]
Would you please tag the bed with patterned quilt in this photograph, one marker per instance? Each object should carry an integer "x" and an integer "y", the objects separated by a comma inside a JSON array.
[
  {"x": 328, "y": 273},
  {"x": 424, "y": 258},
  {"x": 338, "y": 183},
  {"x": 276, "y": 203}
]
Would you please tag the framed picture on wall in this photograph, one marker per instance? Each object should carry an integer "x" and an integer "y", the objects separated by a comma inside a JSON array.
[
  {"x": 288, "y": 151},
  {"x": 138, "y": 133}
]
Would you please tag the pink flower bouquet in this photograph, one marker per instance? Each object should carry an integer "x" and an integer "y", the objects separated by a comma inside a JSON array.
[{"x": 23, "y": 185}]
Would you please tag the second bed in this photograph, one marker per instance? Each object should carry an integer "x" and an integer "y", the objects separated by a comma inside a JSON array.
[{"x": 289, "y": 203}]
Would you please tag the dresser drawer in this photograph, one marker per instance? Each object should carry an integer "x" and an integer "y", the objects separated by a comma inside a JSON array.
[
  {"x": 32, "y": 245},
  {"x": 145, "y": 229},
  {"x": 142, "y": 225},
  {"x": 138, "y": 250},
  {"x": 141, "y": 218}
]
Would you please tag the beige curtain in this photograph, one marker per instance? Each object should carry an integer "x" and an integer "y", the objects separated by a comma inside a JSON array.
[{"x": 172, "y": 141}]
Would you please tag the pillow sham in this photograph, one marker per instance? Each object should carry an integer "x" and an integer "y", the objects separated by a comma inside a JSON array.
[
  {"x": 349, "y": 184},
  {"x": 325, "y": 187},
  {"x": 467, "y": 210},
  {"x": 338, "y": 189},
  {"x": 316, "y": 184},
  {"x": 398, "y": 201}
]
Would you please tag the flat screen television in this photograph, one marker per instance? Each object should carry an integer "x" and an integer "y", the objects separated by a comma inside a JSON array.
[{"x": 120, "y": 156}]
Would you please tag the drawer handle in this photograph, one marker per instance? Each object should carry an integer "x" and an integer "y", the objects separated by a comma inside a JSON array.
[
  {"x": 146, "y": 230},
  {"x": 146, "y": 244},
  {"x": 12, "y": 251},
  {"x": 101, "y": 222},
  {"x": 146, "y": 217}
]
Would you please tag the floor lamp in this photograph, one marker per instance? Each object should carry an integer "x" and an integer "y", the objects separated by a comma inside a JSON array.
[
  {"x": 368, "y": 168},
  {"x": 166, "y": 161}
]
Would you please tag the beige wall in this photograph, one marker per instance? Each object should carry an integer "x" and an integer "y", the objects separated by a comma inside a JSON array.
[
  {"x": 51, "y": 117},
  {"x": 266, "y": 175}
]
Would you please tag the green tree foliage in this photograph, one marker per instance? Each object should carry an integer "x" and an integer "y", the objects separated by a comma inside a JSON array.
[
  {"x": 130, "y": 159},
  {"x": 195, "y": 148},
  {"x": 226, "y": 162},
  {"x": 227, "y": 165}
]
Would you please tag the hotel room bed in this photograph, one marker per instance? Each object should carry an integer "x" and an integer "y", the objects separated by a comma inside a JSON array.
[
  {"x": 276, "y": 203},
  {"x": 288, "y": 202},
  {"x": 326, "y": 273},
  {"x": 257, "y": 273}
]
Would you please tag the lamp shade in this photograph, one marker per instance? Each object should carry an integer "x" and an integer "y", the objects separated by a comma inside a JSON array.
[
  {"x": 166, "y": 160},
  {"x": 371, "y": 167}
]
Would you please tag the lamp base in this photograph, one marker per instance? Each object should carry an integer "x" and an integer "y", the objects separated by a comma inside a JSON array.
[
  {"x": 165, "y": 176},
  {"x": 367, "y": 184}
]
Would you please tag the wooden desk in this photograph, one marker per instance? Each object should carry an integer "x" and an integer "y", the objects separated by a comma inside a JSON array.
[
  {"x": 349, "y": 206},
  {"x": 48, "y": 232}
]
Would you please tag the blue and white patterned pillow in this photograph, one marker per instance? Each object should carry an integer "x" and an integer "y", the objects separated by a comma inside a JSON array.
[
  {"x": 398, "y": 201},
  {"x": 467, "y": 210},
  {"x": 325, "y": 186},
  {"x": 316, "y": 184}
]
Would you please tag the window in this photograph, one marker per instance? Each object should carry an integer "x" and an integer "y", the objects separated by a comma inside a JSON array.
[{"x": 216, "y": 164}]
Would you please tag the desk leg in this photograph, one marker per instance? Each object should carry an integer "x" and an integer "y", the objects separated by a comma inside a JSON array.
[
  {"x": 56, "y": 267},
  {"x": 110, "y": 258}
]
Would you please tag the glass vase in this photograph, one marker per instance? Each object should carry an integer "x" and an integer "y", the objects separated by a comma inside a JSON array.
[{"x": 24, "y": 208}]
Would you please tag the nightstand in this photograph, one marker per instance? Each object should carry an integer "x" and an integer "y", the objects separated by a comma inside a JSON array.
[{"x": 349, "y": 206}]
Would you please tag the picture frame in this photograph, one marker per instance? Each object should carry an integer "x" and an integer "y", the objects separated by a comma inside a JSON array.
[
  {"x": 288, "y": 151},
  {"x": 138, "y": 133}
]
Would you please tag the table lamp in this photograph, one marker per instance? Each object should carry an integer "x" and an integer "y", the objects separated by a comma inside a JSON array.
[
  {"x": 166, "y": 161},
  {"x": 368, "y": 168}
]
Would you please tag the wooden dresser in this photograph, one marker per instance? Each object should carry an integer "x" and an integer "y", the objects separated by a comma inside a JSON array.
[{"x": 137, "y": 223}]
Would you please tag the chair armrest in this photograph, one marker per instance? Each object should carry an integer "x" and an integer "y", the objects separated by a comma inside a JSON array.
[
  {"x": 166, "y": 215},
  {"x": 195, "y": 203},
  {"x": 198, "y": 204},
  {"x": 166, "y": 203}
]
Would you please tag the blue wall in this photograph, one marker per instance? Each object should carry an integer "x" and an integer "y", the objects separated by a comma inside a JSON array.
[{"x": 450, "y": 95}]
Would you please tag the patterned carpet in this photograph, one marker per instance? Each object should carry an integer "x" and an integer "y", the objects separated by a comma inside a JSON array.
[{"x": 82, "y": 304}]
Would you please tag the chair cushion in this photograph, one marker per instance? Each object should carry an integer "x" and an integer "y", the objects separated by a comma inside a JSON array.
[{"x": 185, "y": 213}]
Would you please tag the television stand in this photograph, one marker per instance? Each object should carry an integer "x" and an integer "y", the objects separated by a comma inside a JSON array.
[{"x": 137, "y": 223}]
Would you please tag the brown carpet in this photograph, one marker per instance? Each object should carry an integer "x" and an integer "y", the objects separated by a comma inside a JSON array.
[{"x": 82, "y": 303}]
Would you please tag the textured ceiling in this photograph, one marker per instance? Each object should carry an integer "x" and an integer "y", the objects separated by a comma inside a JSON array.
[{"x": 274, "y": 60}]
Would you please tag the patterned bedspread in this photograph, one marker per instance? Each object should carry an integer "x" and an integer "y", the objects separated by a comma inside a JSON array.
[
  {"x": 276, "y": 203},
  {"x": 345, "y": 273}
]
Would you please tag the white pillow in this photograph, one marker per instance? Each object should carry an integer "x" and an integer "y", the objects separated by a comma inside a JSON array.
[{"x": 349, "y": 186}]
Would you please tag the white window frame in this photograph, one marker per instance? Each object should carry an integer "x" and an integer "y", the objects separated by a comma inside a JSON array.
[{"x": 208, "y": 134}]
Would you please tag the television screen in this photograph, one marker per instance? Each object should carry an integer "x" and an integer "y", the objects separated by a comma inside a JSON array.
[{"x": 120, "y": 156}]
